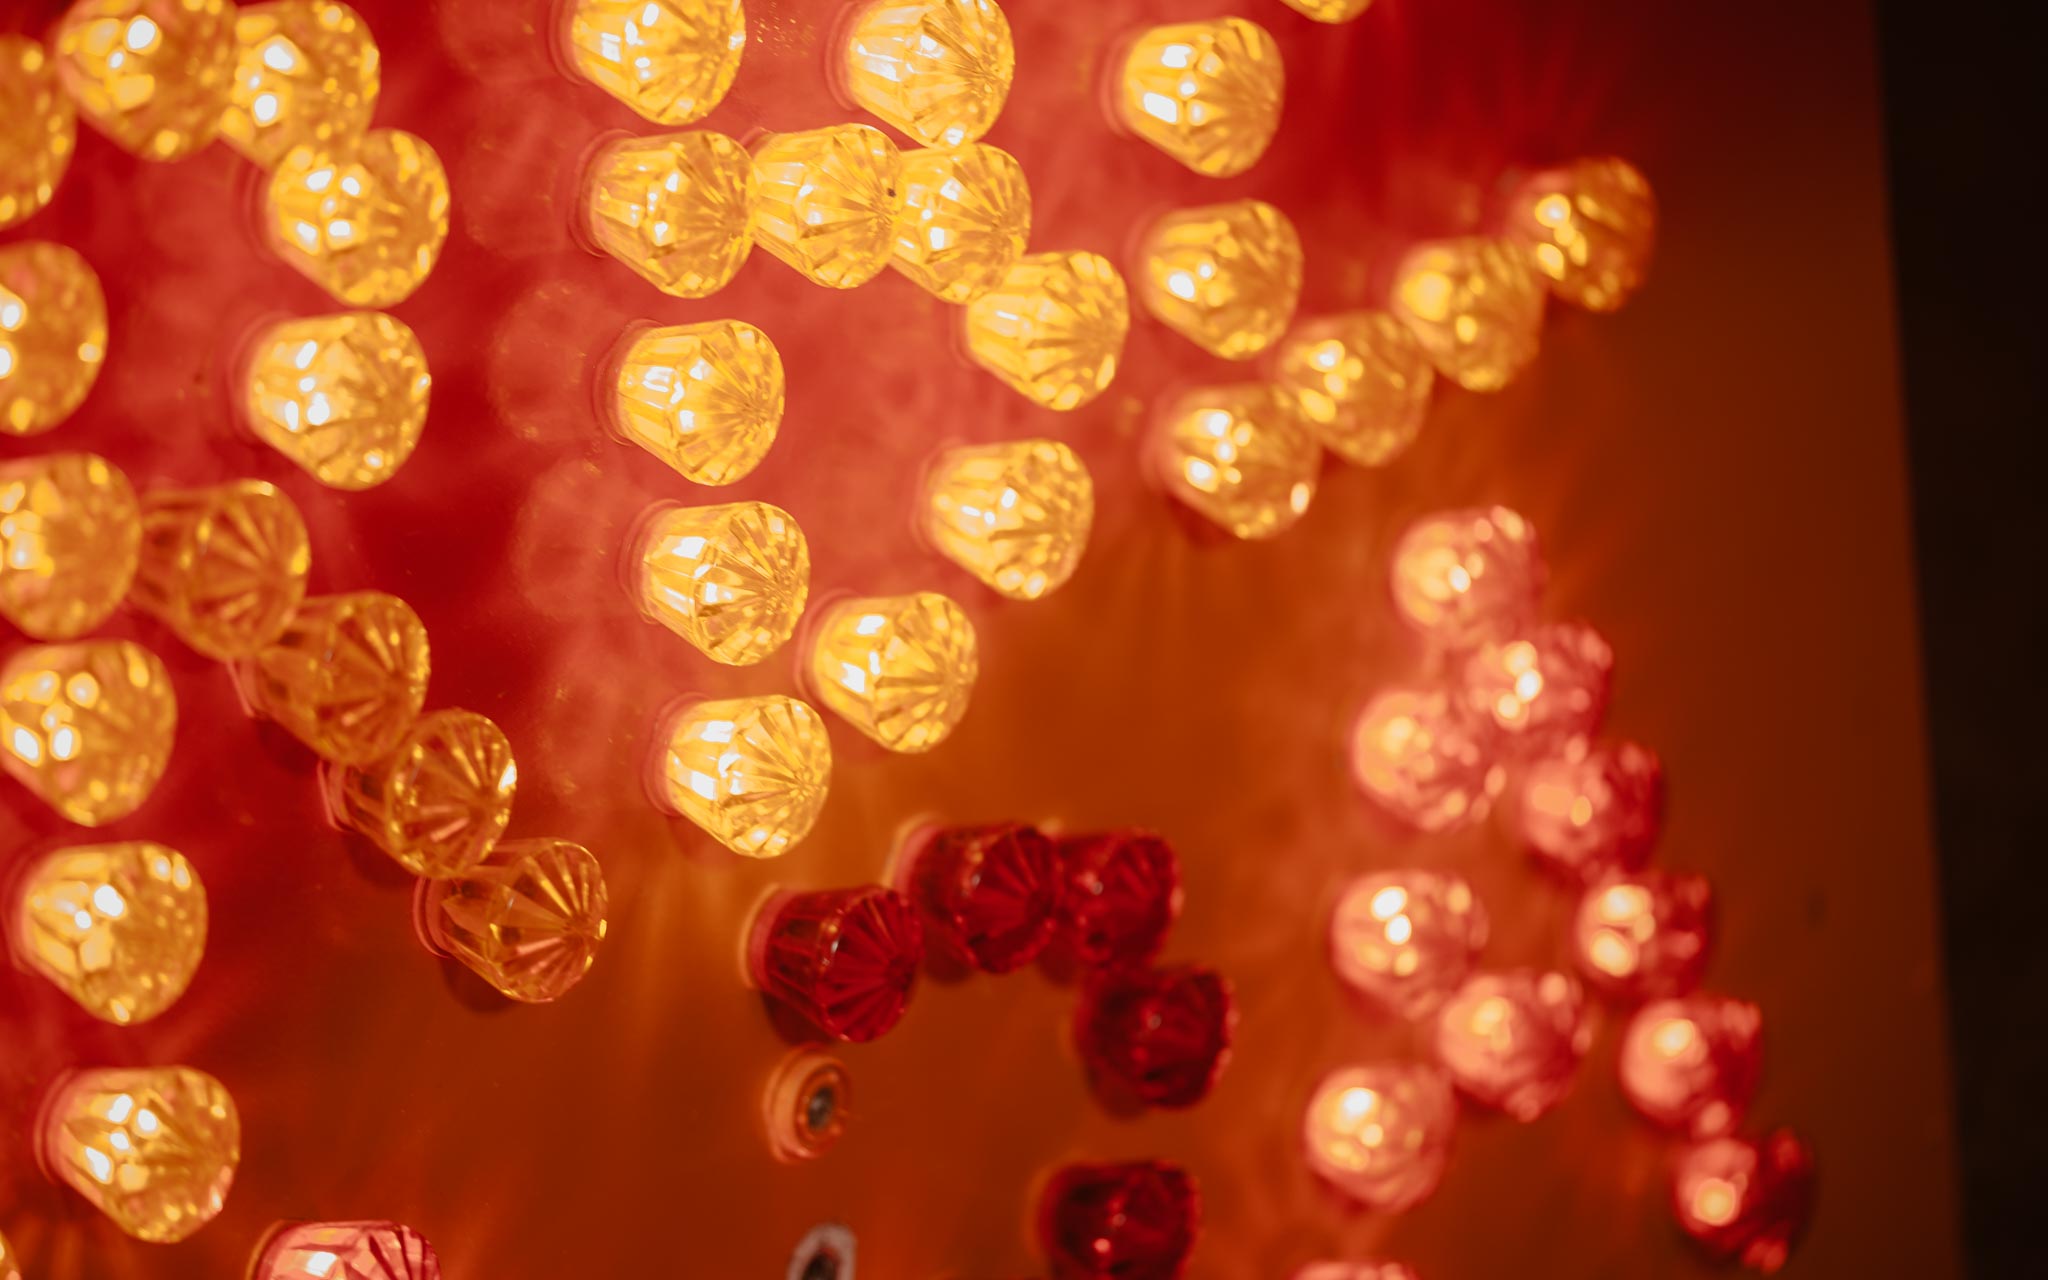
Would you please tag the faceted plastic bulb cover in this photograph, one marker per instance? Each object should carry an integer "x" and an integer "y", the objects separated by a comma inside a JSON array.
[
  {"x": 1406, "y": 939},
  {"x": 670, "y": 60},
  {"x": 1157, "y": 1038},
  {"x": 705, "y": 398},
  {"x": 732, "y": 580},
  {"x": 1334, "y": 11},
  {"x": 364, "y": 218},
  {"x": 1745, "y": 1199},
  {"x": 1225, "y": 276},
  {"x": 53, "y": 334},
  {"x": 439, "y": 802},
  {"x": 1119, "y": 1221},
  {"x": 152, "y": 75},
  {"x": 1121, "y": 895},
  {"x": 939, "y": 70},
  {"x": 347, "y": 676},
  {"x": 1381, "y": 1134},
  {"x": 675, "y": 207},
  {"x": 120, "y": 928},
  {"x": 826, "y": 201},
  {"x": 1016, "y": 515},
  {"x": 528, "y": 919},
  {"x": 1592, "y": 810},
  {"x": 306, "y": 74},
  {"x": 38, "y": 133},
  {"x": 345, "y": 1251},
  {"x": 1692, "y": 1064},
  {"x": 845, "y": 959},
  {"x": 1462, "y": 577},
  {"x": 224, "y": 567},
  {"x": 87, "y": 726},
  {"x": 1475, "y": 305},
  {"x": 1543, "y": 689},
  {"x": 1361, "y": 383},
  {"x": 1424, "y": 759},
  {"x": 754, "y": 772},
  {"x": 1240, "y": 457},
  {"x": 1644, "y": 935},
  {"x": 989, "y": 895},
  {"x": 1206, "y": 93},
  {"x": 966, "y": 219},
  {"x": 1513, "y": 1040},
  {"x": 898, "y": 668},
  {"x": 343, "y": 396},
  {"x": 1590, "y": 227},
  {"x": 69, "y": 532},
  {"x": 153, "y": 1148},
  {"x": 1053, "y": 328}
]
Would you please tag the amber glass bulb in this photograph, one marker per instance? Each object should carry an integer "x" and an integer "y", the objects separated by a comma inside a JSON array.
[
  {"x": 705, "y": 398},
  {"x": 345, "y": 1251},
  {"x": 1425, "y": 759},
  {"x": 38, "y": 132},
  {"x": 1225, "y": 276},
  {"x": 1206, "y": 93},
  {"x": 343, "y": 396},
  {"x": 153, "y": 1148},
  {"x": 966, "y": 219},
  {"x": 826, "y": 201},
  {"x": 1014, "y": 515},
  {"x": 1330, "y": 11},
  {"x": 69, "y": 528},
  {"x": 1240, "y": 456},
  {"x": 224, "y": 567},
  {"x": 153, "y": 75},
  {"x": 1463, "y": 577},
  {"x": 1360, "y": 382},
  {"x": 1406, "y": 939},
  {"x": 87, "y": 726},
  {"x": 751, "y": 771},
  {"x": 1476, "y": 306},
  {"x": 675, "y": 207},
  {"x": 528, "y": 919},
  {"x": 1590, "y": 227},
  {"x": 53, "y": 334},
  {"x": 346, "y": 677},
  {"x": 438, "y": 803},
  {"x": 898, "y": 668},
  {"x": 732, "y": 580},
  {"x": 1053, "y": 328},
  {"x": 1381, "y": 1134},
  {"x": 306, "y": 74},
  {"x": 936, "y": 69},
  {"x": 120, "y": 928},
  {"x": 364, "y": 217},
  {"x": 670, "y": 60}
]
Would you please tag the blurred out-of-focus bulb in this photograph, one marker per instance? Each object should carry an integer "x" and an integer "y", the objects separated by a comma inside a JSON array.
[
  {"x": 87, "y": 726},
  {"x": 752, "y": 771},
  {"x": 1691, "y": 1064},
  {"x": 1205, "y": 93},
  {"x": 1406, "y": 939},
  {"x": 704, "y": 398},
  {"x": 675, "y": 207},
  {"x": 438, "y": 803},
  {"x": 670, "y": 60},
  {"x": 1360, "y": 382},
  {"x": 528, "y": 919},
  {"x": 346, "y": 677},
  {"x": 69, "y": 530},
  {"x": 1462, "y": 577},
  {"x": 936, "y": 69},
  {"x": 152, "y": 75},
  {"x": 362, "y": 217},
  {"x": 345, "y": 1251},
  {"x": 989, "y": 895},
  {"x": 1513, "y": 1040},
  {"x": 1239, "y": 456},
  {"x": 1745, "y": 1199},
  {"x": 846, "y": 959},
  {"x": 1590, "y": 227},
  {"x": 120, "y": 928},
  {"x": 1476, "y": 306},
  {"x": 1354, "y": 1270},
  {"x": 1155, "y": 1037},
  {"x": 38, "y": 133},
  {"x": 1425, "y": 759},
  {"x": 1592, "y": 809},
  {"x": 1333, "y": 11},
  {"x": 153, "y": 1148},
  {"x": 1224, "y": 276},
  {"x": 9, "y": 1260},
  {"x": 224, "y": 567},
  {"x": 898, "y": 668},
  {"x": 1014, "y": 515},
  {"x": 306, "y": 73},
  {"x": 965, "y": 221},
  {"x": 1542, "y": 689},
  {"x": 732, "y": 580},
  {"x": 343, "y": 396},
  {"x": 1053, "y": 328},
  {"x": 1644, "y": 935},
  {"x": 826, "y": 201},
  {"x": 1381, "y": 1134},
  {"x": 1119, "y": 1221},
  {"x": 1121, "y": 894},
  {"x": 53, "y": 334}
]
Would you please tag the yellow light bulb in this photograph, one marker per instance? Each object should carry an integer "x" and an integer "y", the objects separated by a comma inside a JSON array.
[
  {"x": 1053, "y": 329},
  {"x": 153, "y": 75},
  {"x": 346, "y": 677},
  {"x": 670, "y": 60},
  {"x": 704, "y": 398},
  {"x": 364, "y": 217},
  {"x": 1476, "y": 306},
  {"x": 751, "y": 771},
  {"x": 153, "y": 1148},
  {"x": 1014, "y": 515},
  {"x": 224, "y": 567},
  {"x": 1206, "y": 93},
  {"x": 966, "y": 219},
  {"x": 69, "y": 526},
  {"x": 1240, "y": 456},
  {"x": 1330, "y": 10},
  {"x": 343, "y": 396},
  {"x": 1225, "y": 276},
  {"x": 1359, "y": 381},
  {"x": 306, "y": 73},
  {"x": 120, "y": 928},
  {"x": 438, "y": 803},
  {"x": 87, "y": 726},
  {"x": 53, "y": 334},
  {"x": 826, "y": 201},
  {"x": 38, "y": 133},
  {"x": 937, "y": 70},
  {"x": 898, "y": 668},
  {"x": 732, "y": 580},
  {"x": 1590, "y": 227},
  {"x": 528, "y": 919},
  {"x": 675, "y": 207}
]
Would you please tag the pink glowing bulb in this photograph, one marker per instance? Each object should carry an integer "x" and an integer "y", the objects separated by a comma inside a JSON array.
[
  {"x": 1640, "y": 936},
  {"x": 1590, "y": 810},
  {"x": 1381, "y": 1134},
  {"x": 1425, "y": 759},
  {"x": 1745, "y": 1199},
  {"x": 1460, "y": 578},
  {"x": 1543, "y": 689},
  {"x": 1513, "y": 1040},
  {"x": 1406, "y": 939},
  {"x": 1691, "y": 1064}
]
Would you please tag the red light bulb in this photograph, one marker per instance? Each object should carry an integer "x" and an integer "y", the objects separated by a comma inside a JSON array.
[
  {"x": 847, "y": 959},
  {"x": 1119, "y": 1221},
  {"x": 1692, "y": 1064},
  {"x": 1745, "y": 1199},
  {"x": 1542, "y": 689},
  {"x": 1641, "y": 936},
  {"x": 1381, "y": 1134},
  {"x": 1120, "y": 893},
  {"x": 1158, "y": 1037},
  {"x": 1513, "y": 1040},
  {"x": 1405, "y": 939},
  {"x": 345, "y": 1251},
  {"x": 989, "y": 895},
  {"x": 1591, "y": 810}
]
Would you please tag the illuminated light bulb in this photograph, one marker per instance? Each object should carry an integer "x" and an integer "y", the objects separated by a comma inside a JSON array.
[
  {"x": 528, "y": 919},
  {"x": 846, "y": 959},
  {"x": 1462, "y": 577},
  {"x": 1592, "y": 810},
  {"x": 152, "y": 1148},
  {"x": 938, "y": 70},
  {"x": 732, "y": 580},
  {"x": 1333, "y": 11},
  {"x": 306, "y": 74},
  {"x": 1745, "y": 1199},
  {"x": 1381, "y": 1134},
  {"x": 1156, "y": 1037},
  {"x": 1425, "y": 759},
  {"x": 1121, "y": 895},
  {"x": 343, "y": 396},
  {"x": 1692, "y": 1064},
  {"x": 346, "y": 677},
  {"x": 753, "y": 772},
  {"x": 670, "y": 60},
  {"x": 363, "y": 217},
  {"x": 674, "y": 207},
  {"x": 120, "y": 928},
  {"x": 1014, "y": 515},
  {"x": 438, "y": 803},
  {"x": 1355, "y": 1270},
  {"x": 224, "y": 567},
  {"x": 1406, "y": 939},
  {"x": 69, "y": 532},
  {"x": 1224, "y": 276},
  {"x": 152, "y": 75},
  {"x": 1053, "y": 329},
  {"x": 1644, "y": 935},
  {"x": 87, "y": 726},
  {"x": 53, "y": 334},
  {"x": 989, "y": 895},
  {"x": 1360, "y": 382},
  {"x": 1205, "y": 93},
  {"x": 1239, "y": 456},
  {"x": 1117, "y": 1221},
  {"x": 898, "y": 668},
  {"x": 826, "y": 201},
  {"x": 704, "y": 398},
  {"x": 38, "y": 133},
  {"x": 1513, "y": 1040},
  {"x": 1475, "y": 305},
  {"x": 1590, "y": 227},
  {"x": 806, "y": 1106},
  {"x": 1544, "y": 688},
  {"x": 9, "y": 1266},
  {"x": 965, "y": 221},
  {"x": 345, "y": 1251}
]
